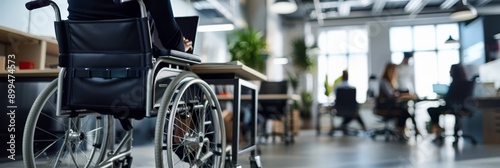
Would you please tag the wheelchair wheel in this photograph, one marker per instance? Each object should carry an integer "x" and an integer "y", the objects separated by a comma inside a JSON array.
[
  {"x": 64, "y": 141},
  {"x": 189, "y": 129}
]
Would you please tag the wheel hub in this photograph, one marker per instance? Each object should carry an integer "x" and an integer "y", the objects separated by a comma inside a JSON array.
[
  {"x": 75, "y": 136},
  {"x": 194, "y": 140}
]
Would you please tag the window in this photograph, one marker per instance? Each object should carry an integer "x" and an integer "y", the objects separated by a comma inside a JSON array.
[
  {"x": 432, "y": 57},
  {"x": 343, "y": 48}
]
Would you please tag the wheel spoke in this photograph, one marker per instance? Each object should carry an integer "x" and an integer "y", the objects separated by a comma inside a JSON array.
[{"x": 45, "y": 149}]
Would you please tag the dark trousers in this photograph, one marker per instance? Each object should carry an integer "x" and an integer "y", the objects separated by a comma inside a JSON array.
[
  {"x": 435, "y": 112},
  {"x": 347, "y": 120}
]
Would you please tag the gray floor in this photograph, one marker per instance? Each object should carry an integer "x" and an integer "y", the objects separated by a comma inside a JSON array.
[
  {"x": 340, "y": 151},
  {"x": 350, "y": 152}
]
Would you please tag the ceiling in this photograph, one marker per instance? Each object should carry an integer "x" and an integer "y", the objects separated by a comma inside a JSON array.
[
  {"x": 323, "y": 10},
  {"x": 341, "y": 9}
]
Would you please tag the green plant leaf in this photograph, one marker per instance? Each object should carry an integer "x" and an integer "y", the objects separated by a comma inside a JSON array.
[
  {"x": 247, "y": 46},
  {"x": 300, "y": 58}
]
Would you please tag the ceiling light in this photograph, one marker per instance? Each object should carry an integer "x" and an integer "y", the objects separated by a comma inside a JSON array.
[
  {"x": 215, "y": 27},
  {"x": 283, "y": 6},
  {"x": 464, "y": 12},
  {"x": 451, "y": 41}
]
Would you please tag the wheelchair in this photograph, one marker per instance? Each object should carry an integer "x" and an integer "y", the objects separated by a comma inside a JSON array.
[{"x": 114, "y": 74}]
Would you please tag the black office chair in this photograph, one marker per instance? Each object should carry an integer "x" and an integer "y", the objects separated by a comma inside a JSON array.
[
  {"x": 347, "y": 107},
  {"x": 388, "y": 114},
  {"x": 461, "y": 104},
  {"x": 272, "y": 109}
]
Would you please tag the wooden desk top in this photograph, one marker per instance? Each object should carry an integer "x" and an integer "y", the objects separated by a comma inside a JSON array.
[
  {"x": 234, "y": 67},
  {"x": 263, "y": 97},
  {"x": 33, "y": 73}
]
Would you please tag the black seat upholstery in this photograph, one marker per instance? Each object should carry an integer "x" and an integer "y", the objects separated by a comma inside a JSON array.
[
  {"x": 388, "y": 114},
  {"x": 273, "y": 109},
  {"x": 347, "y": 107},
  {"x": 345, "y": 102},
  {"x": 105, "y": 61}
]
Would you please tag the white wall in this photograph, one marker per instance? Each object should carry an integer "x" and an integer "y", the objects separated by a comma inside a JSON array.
[
  {"x": 274, "y": 39},
  {"x": 212, "y": 47},
  {"x": 13, "y": 14}
]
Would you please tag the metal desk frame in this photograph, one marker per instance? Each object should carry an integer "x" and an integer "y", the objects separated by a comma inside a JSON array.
[{"x": 238, "y": 83}]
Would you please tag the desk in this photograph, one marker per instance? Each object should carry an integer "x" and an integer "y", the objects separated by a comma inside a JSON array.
[
  {"x": 289, "y": 136},
  {"x": 484, "y": 124},
  {"x": 324, "y": 108},
  {"x": 237, "y": 75}
]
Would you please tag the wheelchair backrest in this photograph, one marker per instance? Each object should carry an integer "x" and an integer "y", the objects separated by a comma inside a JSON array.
[{"x": 107, "y": 63}]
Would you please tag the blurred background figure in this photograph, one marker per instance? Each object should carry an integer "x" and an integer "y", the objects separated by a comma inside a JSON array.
[
  {"x": 458, "y": 76},
  {"x": 391, "y": 99},
  {"x": 344, "y": 84},
  {"x": 406, "y": 75}
]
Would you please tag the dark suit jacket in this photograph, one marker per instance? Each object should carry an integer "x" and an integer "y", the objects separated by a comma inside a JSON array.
[{"x": 160, "y": 10}]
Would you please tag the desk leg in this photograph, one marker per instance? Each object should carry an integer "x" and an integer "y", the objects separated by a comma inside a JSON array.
[
  {"x": 254, "y": 157},
  {"x": 318, "y": 123},
  {"x": 286, "y": 137},
  {"x": 236, "y": 122},
  {"x": 292, "y": 135}
]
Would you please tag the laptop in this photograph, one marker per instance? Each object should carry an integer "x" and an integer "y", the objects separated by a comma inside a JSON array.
[
  {"x": 440, "y": 89},
  {"x": 188, "y": 26}
]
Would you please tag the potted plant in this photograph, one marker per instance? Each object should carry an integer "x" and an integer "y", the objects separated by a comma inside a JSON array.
[
  {"x": 300, "y": 58},
  {"x": 248, "y": 46},
  {"x": 302, "y": 64}
]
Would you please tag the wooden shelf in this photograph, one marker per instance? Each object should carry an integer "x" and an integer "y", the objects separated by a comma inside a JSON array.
[{"x": 40, "y": 50}]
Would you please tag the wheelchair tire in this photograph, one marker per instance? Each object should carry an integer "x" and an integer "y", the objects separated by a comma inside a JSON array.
[
  {"x": 64, "y": 141},
  {"x": 189, "y": 129}
]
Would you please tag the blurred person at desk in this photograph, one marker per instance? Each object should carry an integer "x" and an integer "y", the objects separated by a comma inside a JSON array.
[
  {"x": 406, "y": 75},
  {"x": 458, "y": 76},
  {"x": 348, "y": 118},
  {"x": 391, "y": 100}
]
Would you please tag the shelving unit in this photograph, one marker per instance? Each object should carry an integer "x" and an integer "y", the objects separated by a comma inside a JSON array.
[{"x": 43, "y": 51}]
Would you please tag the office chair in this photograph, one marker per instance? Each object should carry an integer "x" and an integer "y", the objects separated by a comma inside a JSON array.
[
  {"x": 388, "y": 132},
  {"x": 347, "y": 107},
  {"x": 460, "y": 103},
  {"x": 272, "y": 109}
]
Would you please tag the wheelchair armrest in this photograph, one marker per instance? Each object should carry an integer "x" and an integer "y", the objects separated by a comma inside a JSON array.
[{"x": 177, "y": 55}]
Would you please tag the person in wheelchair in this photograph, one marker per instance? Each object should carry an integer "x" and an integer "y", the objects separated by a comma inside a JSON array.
[
  {"x": 162, "y": 22},
  {"x": 391, "y": 100},
  {"x": 160, "y": 11}
]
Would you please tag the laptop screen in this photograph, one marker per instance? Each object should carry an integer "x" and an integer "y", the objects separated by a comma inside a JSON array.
[
  {"x": 188, "y": 26},
  {"x": 440, "y": 89}
]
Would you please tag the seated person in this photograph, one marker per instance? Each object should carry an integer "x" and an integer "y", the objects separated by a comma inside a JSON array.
[
  {"x": 458, "y": 76},
  {"x": 391, "y": 100},
  {"x": 348, "y": 118},
  {"x": 160, "y": 10}
]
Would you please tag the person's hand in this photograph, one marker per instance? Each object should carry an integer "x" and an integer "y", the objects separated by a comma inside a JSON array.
[
  {"x": 188, "y": 44},
  {"x": 407, "y": 96}
]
